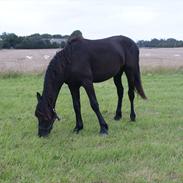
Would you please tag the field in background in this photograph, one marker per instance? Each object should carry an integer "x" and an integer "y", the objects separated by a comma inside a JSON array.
[
  {"x": 158, "y": 59},
  {"x": 23, "y": 61}
]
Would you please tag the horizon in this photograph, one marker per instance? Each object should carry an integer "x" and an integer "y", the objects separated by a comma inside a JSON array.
[
  {"x": 87, "y": 38},
  {"x": 140, "y": 20}
]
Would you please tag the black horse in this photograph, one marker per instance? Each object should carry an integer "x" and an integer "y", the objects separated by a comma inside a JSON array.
[{"x": 81, "y": 63}]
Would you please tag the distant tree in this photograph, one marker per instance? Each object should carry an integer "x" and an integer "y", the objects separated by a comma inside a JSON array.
[
  {"x": 1, "y": 43},
  {"x": 34, "y": 41},
  {"x": 171, "y": 42},
  {"x": 35, "y": 36},
  {"x": 162, "y": 43},
  {"x": 154, "y": 42},
  {"x": 57, "y": 36},
  {"x": 66, "y": 36},
  {"x": 10, "y": 40},
  {"x": 46, "y": 36},
  {"x": 143, "y": 43}
]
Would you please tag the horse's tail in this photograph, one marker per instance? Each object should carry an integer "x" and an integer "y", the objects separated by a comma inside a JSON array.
[{"x": 137, "y": 79}]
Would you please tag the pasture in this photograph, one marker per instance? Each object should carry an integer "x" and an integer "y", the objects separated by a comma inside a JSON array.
[{"x": 149, "y": 150}]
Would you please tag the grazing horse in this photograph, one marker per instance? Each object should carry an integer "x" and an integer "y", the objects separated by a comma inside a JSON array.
[{"x": 81, "y": 63}]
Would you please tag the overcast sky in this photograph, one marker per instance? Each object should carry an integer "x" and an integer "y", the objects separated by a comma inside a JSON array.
[{"x": 138, "y": 19}]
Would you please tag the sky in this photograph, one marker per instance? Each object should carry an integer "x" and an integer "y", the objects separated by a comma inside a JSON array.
[{"x": 137, "y": 19}]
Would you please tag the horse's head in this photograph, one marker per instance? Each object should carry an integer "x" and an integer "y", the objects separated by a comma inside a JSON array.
[{"x": 46, "y": 117}]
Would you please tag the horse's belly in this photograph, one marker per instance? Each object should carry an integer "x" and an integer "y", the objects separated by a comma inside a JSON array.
[
  {"x": 105, "y": 74},
  {"x": 106, "y": 65},
  {"x": 101, "y": 79}
]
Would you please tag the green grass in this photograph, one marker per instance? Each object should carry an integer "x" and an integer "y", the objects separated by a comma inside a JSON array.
[{"x": 150, "y": 150}]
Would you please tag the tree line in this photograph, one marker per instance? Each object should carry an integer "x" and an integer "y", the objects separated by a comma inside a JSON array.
[
  {"x": 39, "y": 41},
  {"x": 160, "y": 43},
  {"x": 34, "y": 41}
]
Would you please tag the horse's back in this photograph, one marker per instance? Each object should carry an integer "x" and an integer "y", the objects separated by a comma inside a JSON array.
[{"x": 102, "y": 58}]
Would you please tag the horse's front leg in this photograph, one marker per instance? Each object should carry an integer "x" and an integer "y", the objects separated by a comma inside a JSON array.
[
  {"x": 77, "y": 107},
  {"x": 88, "y": 85}
]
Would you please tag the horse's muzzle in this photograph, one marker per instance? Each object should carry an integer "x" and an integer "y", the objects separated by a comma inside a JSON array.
[{"x": 44, "y": 132}]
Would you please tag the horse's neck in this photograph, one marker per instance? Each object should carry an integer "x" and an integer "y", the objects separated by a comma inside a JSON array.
[{"x": 50, "y": 92}]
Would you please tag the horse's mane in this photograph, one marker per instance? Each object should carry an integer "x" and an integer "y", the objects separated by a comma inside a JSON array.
[
  {"x": 59, "y": 61},
  {"x": 53, "y": 66},
  {"x": 52, "y": 71}
]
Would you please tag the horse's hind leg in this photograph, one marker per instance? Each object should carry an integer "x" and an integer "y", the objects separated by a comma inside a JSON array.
[
  {"x": 77, "y": 107},
  {"x": 131, "y": 93},
  {"x": 120, "y": 90}
]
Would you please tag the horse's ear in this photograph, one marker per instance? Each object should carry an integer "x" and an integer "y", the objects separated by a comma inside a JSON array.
[{"x": 39, "y": 97}]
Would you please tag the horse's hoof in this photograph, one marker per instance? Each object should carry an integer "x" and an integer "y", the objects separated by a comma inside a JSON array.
[
  {"x": 77, "y": 130},
  {"x": 132, "y": 118},
  {"x": 117, "y": 117},
  {"x": 103, "y": 132}
]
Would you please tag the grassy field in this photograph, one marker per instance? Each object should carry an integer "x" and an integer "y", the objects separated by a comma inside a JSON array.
[{"x": 150, "y": 150}]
